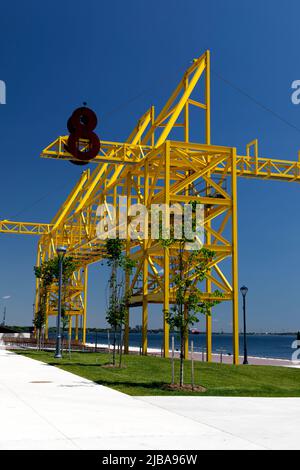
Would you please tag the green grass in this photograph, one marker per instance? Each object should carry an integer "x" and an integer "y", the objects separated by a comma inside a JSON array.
[{"x": 147, "y": 375}]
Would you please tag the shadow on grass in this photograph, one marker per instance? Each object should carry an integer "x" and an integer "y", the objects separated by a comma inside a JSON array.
[
  {"x": 147, "y": 385},
  {"x": 84, "y": 364}
]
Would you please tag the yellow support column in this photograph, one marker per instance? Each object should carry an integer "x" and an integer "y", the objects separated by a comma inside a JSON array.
[
  {"x": 167, "y": 256},
  {"x": 235, "y": 299},
  {"x": 208, "y": 290},
  {"x": 127, "y": 278},
  {"x": 37, "y": 287},
  {"x": 49, "y": 254},
  {"x": 152, "y": 124},
  {"x": 47, "y": 322},
  {"x": 76, "y": 328},
  {"x": 70, "y": 326},
  {"x": 207, "y": 99},
  {"x": 186, "y": 335},
  {"x": 166, "y": 301},
  {"x": 47, "y": 315},
  {"x": 186, "y": 115},
  {"x": 145, "y": 268},
  {"x": 187, "y": 192},
  {"x": 85, "y": 281},
  {"x": 208, "y": 338},
  {"x": 145, "y": 308},
  {"x": 126, "y": 329},
  {"x": 208, "y": 235}
]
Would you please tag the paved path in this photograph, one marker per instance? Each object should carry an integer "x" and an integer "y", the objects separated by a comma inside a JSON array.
[{"x": 43, "y": 407}]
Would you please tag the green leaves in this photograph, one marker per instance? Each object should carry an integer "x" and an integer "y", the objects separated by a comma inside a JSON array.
[
  {"x": 114, "y": 248},
  {"x": 40, "y": 319},
  {"x": 114, "y": 255},
  {"x": 48, "y": 272},
  {"x": 191, "y": 268}
]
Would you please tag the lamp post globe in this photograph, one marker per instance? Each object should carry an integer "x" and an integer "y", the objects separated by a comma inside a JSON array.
[
  {"x": 244, "y": 291},
  {"x": 61, "y": 250}
]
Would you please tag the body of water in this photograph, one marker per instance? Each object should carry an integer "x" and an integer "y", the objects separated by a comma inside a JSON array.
[{"x": 270, "y": 346}]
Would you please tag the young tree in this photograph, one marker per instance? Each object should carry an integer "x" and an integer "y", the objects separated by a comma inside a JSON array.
[
  {"x": 39, "y": 323},
  {"x": 189, "y": 297},
  {"x": 45, "y": 274},
  {"x": 48, "y": 273},
  {"x": 119, "y": 294},
  {"x": 189, "y": 269},
  {"x": 64, "y": 323}
]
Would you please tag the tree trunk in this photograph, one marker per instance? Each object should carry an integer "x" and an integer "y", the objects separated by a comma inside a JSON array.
[
  {"x": 38, "y": 334},
  {"x": 181, "y": 357},
  {"x": 40, "y": 339},
  {"x": 114, "y": 347},
  {"x": 114, "y": 296},
  {"x": 69, "y": 345},
  {"x": 182, "y": 294},
  {"x": 121, "y": 347},
  {"x": 63, "y": 338}
]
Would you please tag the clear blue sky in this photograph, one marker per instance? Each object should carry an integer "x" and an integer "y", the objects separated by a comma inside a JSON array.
[{"x": 121, "y": 57}]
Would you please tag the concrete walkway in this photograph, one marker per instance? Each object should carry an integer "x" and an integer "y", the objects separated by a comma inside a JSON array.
[{"x": 43, "y": 407}]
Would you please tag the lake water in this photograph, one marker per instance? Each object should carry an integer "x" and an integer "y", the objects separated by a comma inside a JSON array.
[{"x": 270, "y": 346}]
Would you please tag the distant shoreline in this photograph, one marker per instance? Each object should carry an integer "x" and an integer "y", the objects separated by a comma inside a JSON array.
[{"x": 156, "y": 331}]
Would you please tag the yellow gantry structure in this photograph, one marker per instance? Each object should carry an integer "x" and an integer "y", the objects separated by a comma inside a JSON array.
[{"x": 154, "y": 166}]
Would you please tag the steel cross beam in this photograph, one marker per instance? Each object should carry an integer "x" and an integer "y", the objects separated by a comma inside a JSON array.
[{"x": 24, "y": 228}]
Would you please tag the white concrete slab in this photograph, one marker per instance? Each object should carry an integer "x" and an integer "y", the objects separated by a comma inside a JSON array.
[
  {"x": 43, "y": 407},
  {"x": 273, "y": 423}
]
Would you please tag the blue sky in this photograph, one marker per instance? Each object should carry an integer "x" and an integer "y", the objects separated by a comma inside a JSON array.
[{"x": 121, "y": 57}]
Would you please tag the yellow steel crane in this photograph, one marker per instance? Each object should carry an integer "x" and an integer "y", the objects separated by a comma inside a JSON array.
[{"x": 152, "y": 167}]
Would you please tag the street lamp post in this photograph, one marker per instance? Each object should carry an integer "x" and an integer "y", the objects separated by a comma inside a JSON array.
[
  {"x": 4, "y": 298},
  {"x": 4, "y": 315},
  {"x": 61, "y": 251},
  {"x": 244, "y": 291}
]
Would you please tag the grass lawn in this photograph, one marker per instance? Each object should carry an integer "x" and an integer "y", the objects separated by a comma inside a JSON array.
[{"x": 147, "y": 375}]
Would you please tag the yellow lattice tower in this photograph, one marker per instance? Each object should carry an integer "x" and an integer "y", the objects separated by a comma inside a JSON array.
[{"x": 152, "y": 167}]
